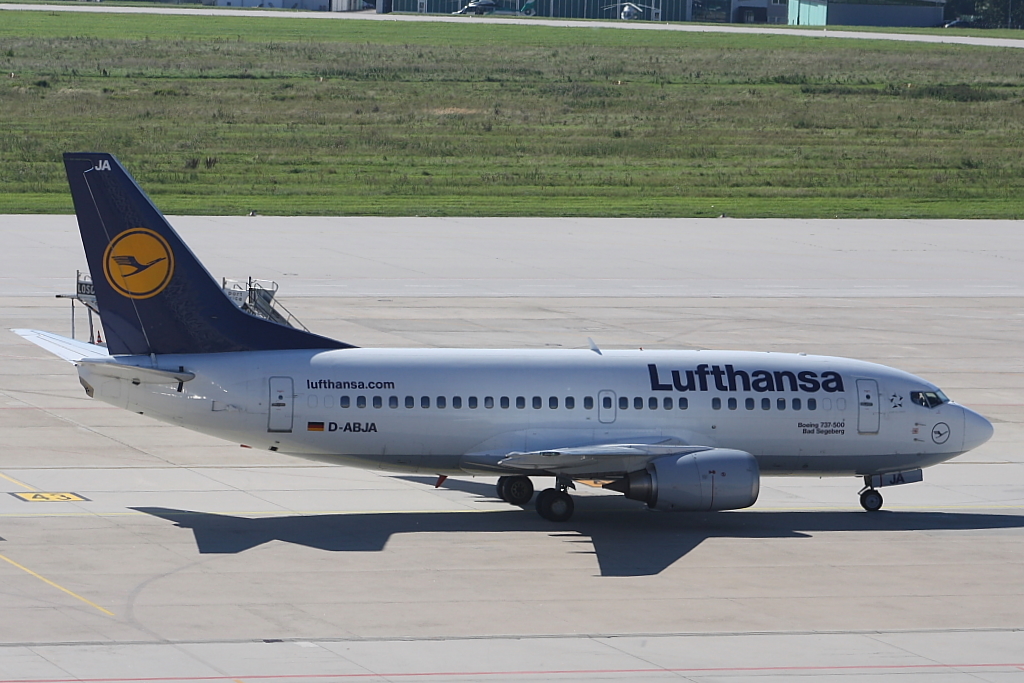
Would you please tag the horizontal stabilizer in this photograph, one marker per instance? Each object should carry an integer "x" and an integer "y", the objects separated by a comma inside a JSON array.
[
  {"x": 133, "y": 373},
  {"x": 70, "y": 350},
  {"x": 609, "y": 457}
]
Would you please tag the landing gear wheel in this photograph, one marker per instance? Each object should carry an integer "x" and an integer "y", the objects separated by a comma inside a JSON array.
[
  {"x": 871, "y": 500},
  {"x": 518, "y": 490},
  {"x": 554, "y": 505},
  {"x": 500, "y": 487}
]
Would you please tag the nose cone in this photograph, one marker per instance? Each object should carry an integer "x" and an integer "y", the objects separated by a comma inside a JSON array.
[{"x": 977, "y": 429}]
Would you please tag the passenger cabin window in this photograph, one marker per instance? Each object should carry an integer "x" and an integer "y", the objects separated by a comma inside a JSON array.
[
  {"x": 606, "y": 402},
  {"x": 781, "y": 404},
  {"x": 441, "y": 402},
  {"x": 392, "y": 401},
  {"x": 472, "y": 402},
  {"x": 344, "y": 402},
  {"x": 588, "y": 402},
  {"x": 553, "y": 402},
  {"x": 360, "y": 401},
  {"x": 425, "y": 402},
  {"x": 570, "y": 403},
  {"x": 666, "y": 403},
  {"x": 749, "y": 404},
  {"x": 795, "y": 404},
  {"x": 504, "y": 402},
  {"x": 928, "y": 399},
  {"x": 652, "y": 403},
  {"x": 623, "y": 403},
  {"x": 766, "y": 404},
  {"x": 537, "y": 402},
  {"x": 456, "y": 401},
  {"x": 488, "y": 402},
  {"x": 716, "y": 403},
  {"x": 378, "y": 402},
  {"x": 684, "y": 403},
  {"x": 638, "y": 403},
  {"x": 520, "y": 402},
  {"x": 812, "y": 404},
  {"x": 410, "y": 402}
]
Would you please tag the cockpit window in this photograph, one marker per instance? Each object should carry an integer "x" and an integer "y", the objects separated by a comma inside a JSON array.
[{"x": 928, "y": 399}]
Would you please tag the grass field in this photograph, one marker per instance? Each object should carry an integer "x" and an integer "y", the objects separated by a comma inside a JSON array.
[{"x": 298, "y": 116}]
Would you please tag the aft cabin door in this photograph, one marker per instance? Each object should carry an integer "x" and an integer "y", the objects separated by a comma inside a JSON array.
[
  {"x": 867, "y": 406},
  {"x": 282, "y": 404}
]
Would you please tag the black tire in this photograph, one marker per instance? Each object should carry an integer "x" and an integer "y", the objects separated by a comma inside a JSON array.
[
  {"x": 518, "y": 490},
  {"x": 871, "y": 500},
  {"x": 555, "y": 506},
  {"x": 500, "y": 487}
]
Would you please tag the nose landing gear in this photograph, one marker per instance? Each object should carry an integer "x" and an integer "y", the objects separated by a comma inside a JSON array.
[{"x": 871, "y": 500}]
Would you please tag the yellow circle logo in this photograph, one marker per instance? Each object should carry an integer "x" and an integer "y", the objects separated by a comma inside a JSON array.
[{"x": 138, "y": 263}]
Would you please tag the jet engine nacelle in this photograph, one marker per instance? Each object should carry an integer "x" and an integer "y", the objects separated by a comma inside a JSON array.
[{"x": 716, "y": 479}]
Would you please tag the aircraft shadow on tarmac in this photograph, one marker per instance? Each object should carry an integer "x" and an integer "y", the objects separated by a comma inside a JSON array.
[{"x": 627, "y": 541}]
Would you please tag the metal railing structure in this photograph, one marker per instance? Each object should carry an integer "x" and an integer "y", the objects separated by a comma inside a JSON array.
[{"x": 257, "y": 297}]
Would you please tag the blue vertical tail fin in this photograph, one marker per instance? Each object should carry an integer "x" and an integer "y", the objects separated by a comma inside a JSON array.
[{"x": 153, "y": 294}]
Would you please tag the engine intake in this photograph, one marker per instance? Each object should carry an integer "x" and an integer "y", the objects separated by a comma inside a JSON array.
[{"x": 716, "y": 479}]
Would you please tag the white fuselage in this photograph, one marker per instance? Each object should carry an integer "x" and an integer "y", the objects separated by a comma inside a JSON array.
[{"x": 450, "y": 411}]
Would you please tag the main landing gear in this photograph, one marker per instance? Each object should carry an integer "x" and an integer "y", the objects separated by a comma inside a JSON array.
[
  {"x": 515, "y": 490},
  {"x": 554, "y": 505}
]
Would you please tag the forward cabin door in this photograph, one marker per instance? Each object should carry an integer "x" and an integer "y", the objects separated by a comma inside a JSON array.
[
  {"x": 867, "y": 406},
  {"x": 282, "y": 404}
]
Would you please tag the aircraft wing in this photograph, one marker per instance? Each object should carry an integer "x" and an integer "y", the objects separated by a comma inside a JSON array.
[
  {"x": 606, "y": 458},
  {"x": 70, "y": 350}
]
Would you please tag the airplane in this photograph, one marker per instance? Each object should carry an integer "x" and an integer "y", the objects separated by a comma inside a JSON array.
[
  {"x": 478, "y": 7},
  {"x": 629, "y": 10},
  {"x": 481, "y": 7},
  {"x": 678, "y": 430}
]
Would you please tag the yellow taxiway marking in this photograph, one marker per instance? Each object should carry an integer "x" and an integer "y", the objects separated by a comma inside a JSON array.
[
  {"x": 43, "y": 497},
  {"x": 55, "y": 585},
  {"x": 15, "y": 481}
]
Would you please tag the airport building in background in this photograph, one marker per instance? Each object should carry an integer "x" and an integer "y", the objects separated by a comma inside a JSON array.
[{"x": 784, "y": 12}]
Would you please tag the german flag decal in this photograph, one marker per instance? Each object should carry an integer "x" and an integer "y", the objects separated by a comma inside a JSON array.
[{"x": 314, "y": 426}]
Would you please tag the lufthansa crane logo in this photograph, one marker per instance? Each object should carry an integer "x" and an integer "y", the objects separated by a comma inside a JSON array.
[
  {"x": 138, "y": 263},
  {"x": 940, "y": 433}
]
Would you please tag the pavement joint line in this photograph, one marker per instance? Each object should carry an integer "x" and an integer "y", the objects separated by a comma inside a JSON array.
[
  {"x": 255, "y": 513},
  {"x": 79, "y": 425},
  {"x": 19, "y": 483},
  {"x": 55, "y": 585},
  {"x": 525, "y": 636},
  {"x": 848, "y": 668}
]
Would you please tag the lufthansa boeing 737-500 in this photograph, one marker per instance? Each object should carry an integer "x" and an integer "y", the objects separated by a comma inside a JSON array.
[{"x": 679, "y": 430}]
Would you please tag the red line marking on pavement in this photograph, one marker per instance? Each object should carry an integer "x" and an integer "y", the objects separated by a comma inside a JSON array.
[{"x": 550, "y": 672}]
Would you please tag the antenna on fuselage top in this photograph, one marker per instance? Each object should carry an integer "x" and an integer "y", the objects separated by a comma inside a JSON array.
[{"x": 593, "y": 346}]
